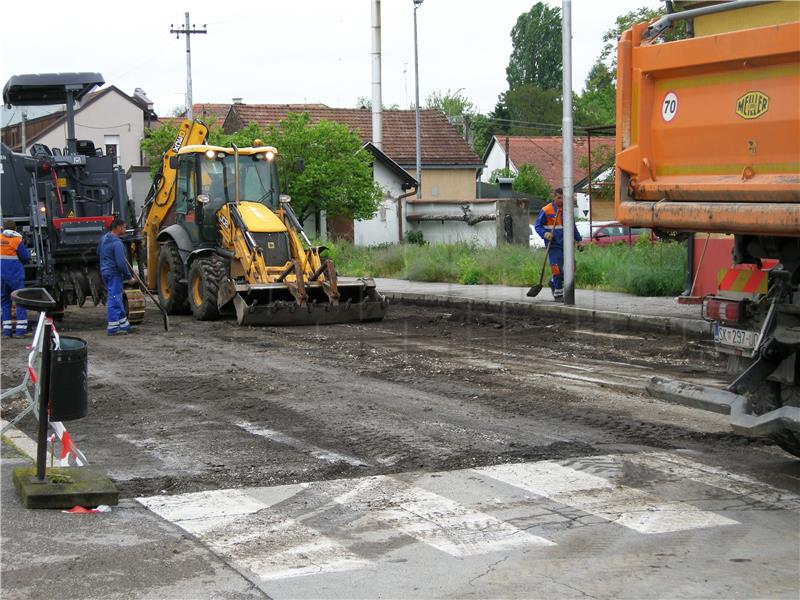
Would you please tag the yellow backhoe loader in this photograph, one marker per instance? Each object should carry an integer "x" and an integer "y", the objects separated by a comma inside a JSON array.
[{"x": 218, "y": 232}]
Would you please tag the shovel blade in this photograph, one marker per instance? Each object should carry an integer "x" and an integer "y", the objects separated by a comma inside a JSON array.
[{"x": 534, "y": 291}]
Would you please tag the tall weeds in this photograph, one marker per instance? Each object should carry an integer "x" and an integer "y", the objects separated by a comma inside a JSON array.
[{"x": 644, "y": 269}]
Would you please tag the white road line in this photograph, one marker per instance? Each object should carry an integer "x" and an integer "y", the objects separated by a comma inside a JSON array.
[
  {"x": 286, "y": 440},
  {"x": 435, "y": 520},
  {"x": 682, "y": 468},
  {"x": 238, "y": 525},
  {"x": 622, "y": 505}
]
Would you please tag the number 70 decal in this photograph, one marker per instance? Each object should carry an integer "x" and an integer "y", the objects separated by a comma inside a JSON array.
[{"x": 669, "y": 106}]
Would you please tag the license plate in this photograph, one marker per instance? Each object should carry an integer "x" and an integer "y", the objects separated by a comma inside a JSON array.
[
  {"x": 738, "y": 338},
  {"x": 62, "y": 182}
]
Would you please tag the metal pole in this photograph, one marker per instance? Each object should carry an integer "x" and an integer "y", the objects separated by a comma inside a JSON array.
[
  {"x": 187, "y": 31},
  {"x": 44, "y": 403},
  {"x": 188, "y": 71},
  {"x": 416, "y": 102},
  {"x": 72, "y": 143},
  {"x": 22, "y": 130},
  {"x": 589, "y": 158},
  {"x": 569, "y": 194},
  {"x": 377, "y": 101}
]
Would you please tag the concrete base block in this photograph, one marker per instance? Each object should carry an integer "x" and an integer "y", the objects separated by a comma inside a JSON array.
[{"x": 64, "y": 487}]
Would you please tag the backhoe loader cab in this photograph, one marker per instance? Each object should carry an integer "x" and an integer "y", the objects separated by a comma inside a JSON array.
[
  {"x": 207, "y": 180},
  {"x": 219, "y": 233}
]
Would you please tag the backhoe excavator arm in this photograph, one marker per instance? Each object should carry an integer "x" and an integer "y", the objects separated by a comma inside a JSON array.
[{"x": 161, "y": 197}]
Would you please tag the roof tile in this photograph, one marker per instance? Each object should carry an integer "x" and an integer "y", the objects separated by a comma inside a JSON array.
[
  {"x": 440, "y": 143},
  {"x": 545, "y": 153}
]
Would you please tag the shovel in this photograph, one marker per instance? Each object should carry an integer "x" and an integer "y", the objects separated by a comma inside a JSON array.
[{"x": 143, "y": 287}]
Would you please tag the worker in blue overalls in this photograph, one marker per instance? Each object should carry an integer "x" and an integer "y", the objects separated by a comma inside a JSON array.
[
  {"x": 13, "y": 254},
  {"x": 549, "y": 226},
  {"x": 114, "y": 270}
]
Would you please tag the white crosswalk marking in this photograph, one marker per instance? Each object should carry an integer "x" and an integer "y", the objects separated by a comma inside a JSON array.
[
  {"x": 287, "y": 531},
  {"x": 739, "y": 485},
  {"x": 236, "y": 524},
  {"x": 622, "y": 505},
  {"x": 435, "y": 520}
]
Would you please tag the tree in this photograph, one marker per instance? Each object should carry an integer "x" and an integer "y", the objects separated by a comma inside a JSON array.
[
  {"x": 533, "y": 110},
  {"x": 530, "y": 181},
  {"x": 597, "y": 104},
  {"x": 527, "y": 180},
  {"x": 366, "y": 104},
  {"x": 626, "y": 21},
  {"x": 452, "y": 104},
  {"x": 482, "y": 129},
  {"x": 603, "y": 160},
  {"x": 536, "y": 49},
  {"x": 156, "y": 142},
  {"x": 337, "y": 177},
  {"x": 455, "y": 105}
]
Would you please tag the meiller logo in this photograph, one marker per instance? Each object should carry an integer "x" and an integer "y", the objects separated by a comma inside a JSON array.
[{"x": 752, "y": 105}]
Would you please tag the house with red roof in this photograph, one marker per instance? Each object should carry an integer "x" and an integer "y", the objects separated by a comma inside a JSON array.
[
  {"x": 545, "y": 153},
  {"x": 448, "y": 170}
]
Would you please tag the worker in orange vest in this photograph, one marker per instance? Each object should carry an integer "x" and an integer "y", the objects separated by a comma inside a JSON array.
[
  {"x": 13, "y": 254},
  {"x": 549, "y": 226}
]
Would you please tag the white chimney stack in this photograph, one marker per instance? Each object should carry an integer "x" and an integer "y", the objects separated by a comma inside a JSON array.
[{"x": 377, "y": 103}]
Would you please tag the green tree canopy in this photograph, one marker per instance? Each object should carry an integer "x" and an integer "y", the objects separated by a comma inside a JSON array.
[
  {"x": 530, "y": 181},
  {"x": 626, "y": 21},
  {"x": 527, "y": 180},
  {"x": 337, "y": 177},
  {"x": 597, "y": 104},
  {"x": 536, "y": 49},
  {"x": 533, "y": 110},
  {"x": 455, "y": 105}
]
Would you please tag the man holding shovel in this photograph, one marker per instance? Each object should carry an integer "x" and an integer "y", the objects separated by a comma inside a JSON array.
[
  {"x": 114, "y": 270},
  {"x": 550, "y": 228}
]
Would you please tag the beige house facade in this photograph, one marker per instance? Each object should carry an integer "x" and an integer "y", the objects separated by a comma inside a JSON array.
[{"x": 111, "y": 119}]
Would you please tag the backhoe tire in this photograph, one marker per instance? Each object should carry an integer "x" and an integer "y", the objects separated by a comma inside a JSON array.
[
  {"x": 205, "y": 275},
  {"x": 172, "y": 293}
]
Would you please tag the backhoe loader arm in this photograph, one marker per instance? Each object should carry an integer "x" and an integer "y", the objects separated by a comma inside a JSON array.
[{"x": 161, "y": 196}]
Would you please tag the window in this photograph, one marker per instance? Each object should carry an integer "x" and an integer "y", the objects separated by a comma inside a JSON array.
[
  {"x": 112, "y": 144},
  {"x": 184, "y": 194}
]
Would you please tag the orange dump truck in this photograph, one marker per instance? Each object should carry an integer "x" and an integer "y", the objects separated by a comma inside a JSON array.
[{"x": 708, "y": 140}]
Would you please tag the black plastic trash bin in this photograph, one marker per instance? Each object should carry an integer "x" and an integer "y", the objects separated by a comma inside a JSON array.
[{"x": 69, "y": 380}]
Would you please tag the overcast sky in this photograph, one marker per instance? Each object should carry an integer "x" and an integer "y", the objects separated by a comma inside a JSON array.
[{"x": 285, "y": 51}]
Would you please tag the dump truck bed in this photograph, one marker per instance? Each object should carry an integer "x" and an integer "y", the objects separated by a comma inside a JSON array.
[{"x": 708, "y": 132}]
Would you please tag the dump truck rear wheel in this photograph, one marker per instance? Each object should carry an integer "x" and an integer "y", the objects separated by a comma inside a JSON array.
[
  {"x": 171, "y": 292},
  {"x": 205, "y": 275}
]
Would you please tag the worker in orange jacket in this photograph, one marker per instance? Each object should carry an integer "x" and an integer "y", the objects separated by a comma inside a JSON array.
[
  {"x": 13, "y": 254},
  {"x": 549, "y": 226}
]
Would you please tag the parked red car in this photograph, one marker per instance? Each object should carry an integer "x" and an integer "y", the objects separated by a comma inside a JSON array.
[{"x": 605, "y": 234}]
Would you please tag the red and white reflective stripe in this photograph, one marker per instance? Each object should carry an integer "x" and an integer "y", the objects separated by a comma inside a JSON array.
[{"x": 69, "y": 456}]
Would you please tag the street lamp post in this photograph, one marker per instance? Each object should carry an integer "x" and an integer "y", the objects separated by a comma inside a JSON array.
[{"x": 417, "y": 4}]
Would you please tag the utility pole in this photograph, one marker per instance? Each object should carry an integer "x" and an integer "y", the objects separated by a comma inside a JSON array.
[
  {"x": 187, "y": 31},
  {"x": 568, "y": 218},
  {"x": 417, "y": 4}
]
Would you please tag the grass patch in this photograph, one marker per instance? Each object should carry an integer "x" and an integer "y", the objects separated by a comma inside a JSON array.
[{"x": 644, "y": 269}]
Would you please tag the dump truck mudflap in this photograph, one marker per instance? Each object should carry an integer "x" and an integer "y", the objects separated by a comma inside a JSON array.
[{"x": 272, "y": 304}]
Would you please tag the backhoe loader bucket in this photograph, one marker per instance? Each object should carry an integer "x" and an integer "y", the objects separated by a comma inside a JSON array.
[{"x": 276, "y": 303}]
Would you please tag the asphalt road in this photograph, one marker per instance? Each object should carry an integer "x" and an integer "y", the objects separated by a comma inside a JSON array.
[{"x": 434, "y": 454}]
